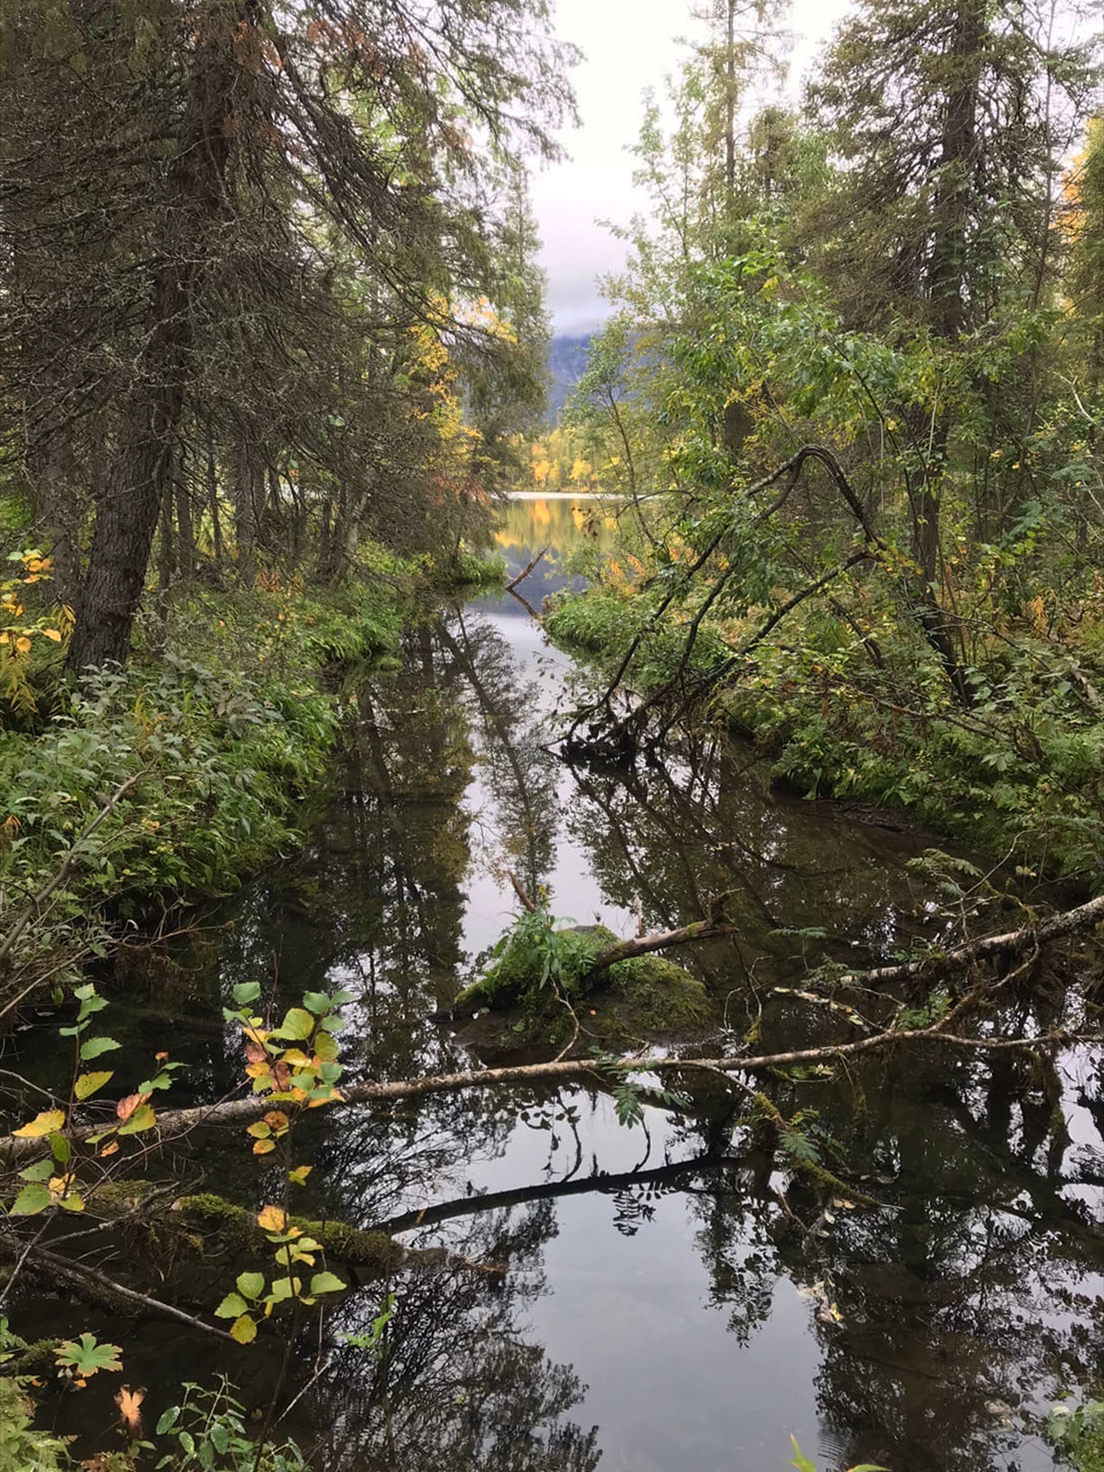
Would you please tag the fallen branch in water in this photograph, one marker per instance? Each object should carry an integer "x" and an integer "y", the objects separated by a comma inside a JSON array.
[
  {"x": 174, "y": 1123},
  {"x": 643, "y": 945},
  {"x": 989, "y": 947},
  {"x": 98, "y": 1289},
  {"x": 525, "y": 571}
]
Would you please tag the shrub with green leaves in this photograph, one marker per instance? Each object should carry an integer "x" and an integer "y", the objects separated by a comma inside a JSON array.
[{"x": 176, "y": 776}]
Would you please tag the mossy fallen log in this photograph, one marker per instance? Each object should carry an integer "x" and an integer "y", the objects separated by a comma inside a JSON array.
[
  {"x": 643, "y": 997},
  {"x": 208, "y": 1224}
]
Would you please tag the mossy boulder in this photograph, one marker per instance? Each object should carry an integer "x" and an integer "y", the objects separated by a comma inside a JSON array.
[{"x": 646, "y": 998}]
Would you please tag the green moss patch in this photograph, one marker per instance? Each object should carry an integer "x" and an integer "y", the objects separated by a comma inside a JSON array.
[{"x": 538, "y": 967}]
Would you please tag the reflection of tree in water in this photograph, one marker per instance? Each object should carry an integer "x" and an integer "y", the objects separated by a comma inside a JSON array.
[
  {"x": 968, "y": 1298},
  {"x": 376, "y": 906},
  {"x": 456, "y": 1385},
  {"x": 519, "y": 776},
  {"x": 707, "y": 822}
]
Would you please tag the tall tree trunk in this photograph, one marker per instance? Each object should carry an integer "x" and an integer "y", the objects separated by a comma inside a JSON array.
[
  {"x": 730, "y": 109},
  {"x": 127, "y": 509},
  {"x": 249, "y": 491},
  {"x": 948, "y": 272},
  {"x": 186, "y": 547},
  {"x": 166, "y": 552}
]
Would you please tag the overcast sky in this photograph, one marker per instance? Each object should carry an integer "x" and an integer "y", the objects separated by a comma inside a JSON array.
[{"x": 628, "y": 45}]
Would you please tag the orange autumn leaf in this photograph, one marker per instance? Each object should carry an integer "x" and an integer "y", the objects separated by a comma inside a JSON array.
[
  {"x": 129, "y": 1402},
  {"x": 272, "y": 1219},
  {"x": 126, "y": 1107}
]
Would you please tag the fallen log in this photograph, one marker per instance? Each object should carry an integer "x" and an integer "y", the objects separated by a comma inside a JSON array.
[{"x": 174, "y": 1123}]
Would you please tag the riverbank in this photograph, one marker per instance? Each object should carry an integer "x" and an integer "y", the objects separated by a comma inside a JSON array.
[
  {"x": 1016, "y": 773},
  {"x": 137, "y": 790}
]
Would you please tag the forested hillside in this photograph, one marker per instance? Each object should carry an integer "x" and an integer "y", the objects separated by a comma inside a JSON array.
[{"x": 567, "y": 358}]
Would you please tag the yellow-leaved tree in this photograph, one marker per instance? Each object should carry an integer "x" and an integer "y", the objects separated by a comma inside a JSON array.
[{"x": 20, "y": 631}]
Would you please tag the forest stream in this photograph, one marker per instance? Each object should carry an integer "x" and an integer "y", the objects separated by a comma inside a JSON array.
[{"x": 653, "y": 1299}]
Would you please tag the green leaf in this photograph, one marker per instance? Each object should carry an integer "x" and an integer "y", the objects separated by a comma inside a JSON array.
[
  {"x": 89, "y": 1083},
  {"x": 297, "y": 1025},
  {"x": 800, "y": 1460},
  {"x": 251, "y": 1284},
  {"x": 168, "y": 1420},
  {"x": 95, "y": 1046},
  {"x": 246, "y": 992},
  {"x": 86, "y": 1355},
  {"x": 143, "y": 1118},
  {"x": 42, "y": 1170},
  {"x": 318, "y": 1002},
  {"x": 61, "y": 1149},
  {"x": 31, "y": 1200},
  {"x": 326, "y": 1283},
  {"x": 283, "y": 1288},
  {"x": 231, "y": 1306}
]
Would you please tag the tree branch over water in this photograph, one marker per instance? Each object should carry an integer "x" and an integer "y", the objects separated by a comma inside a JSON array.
[{"x": 172, "y": 1124}]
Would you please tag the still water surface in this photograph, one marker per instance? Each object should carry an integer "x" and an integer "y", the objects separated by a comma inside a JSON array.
[{"x": 637, "y": 1300}]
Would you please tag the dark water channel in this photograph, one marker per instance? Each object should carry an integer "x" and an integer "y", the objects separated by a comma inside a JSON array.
[{"x": 635, "y": 1300}]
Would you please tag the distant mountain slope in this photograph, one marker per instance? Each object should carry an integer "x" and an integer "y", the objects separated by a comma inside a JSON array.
[{"x": 567, "y": 357}]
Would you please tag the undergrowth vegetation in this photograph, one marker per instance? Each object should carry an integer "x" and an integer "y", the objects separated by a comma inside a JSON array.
[
  {"x": 1020, "y": 770},
  {"x": 173, "y": 777}
]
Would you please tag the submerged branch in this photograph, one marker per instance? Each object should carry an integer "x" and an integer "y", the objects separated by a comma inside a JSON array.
[
  {"x": 525, "y": 571},
  {"x": 98, "y": 1289}
]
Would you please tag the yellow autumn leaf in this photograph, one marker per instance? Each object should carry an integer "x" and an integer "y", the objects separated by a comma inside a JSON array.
[
  {"x": 272, "y": 1219},
  {"x": 244, "y": 1329},
  {"x": 23, "y": 644},
  {"x": 42, "y": 1125},
  {"x": 53, "y": 634}
]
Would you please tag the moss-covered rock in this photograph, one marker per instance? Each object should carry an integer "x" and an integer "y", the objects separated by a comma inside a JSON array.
[{"x": 646, "y": 998}]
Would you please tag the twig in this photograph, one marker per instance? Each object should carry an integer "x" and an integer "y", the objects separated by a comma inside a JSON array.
[{"x": 526, "y": 570}]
